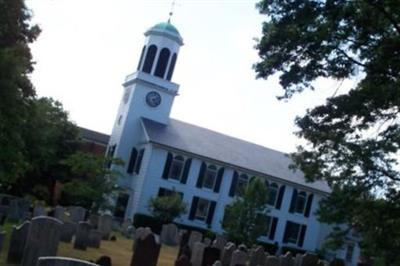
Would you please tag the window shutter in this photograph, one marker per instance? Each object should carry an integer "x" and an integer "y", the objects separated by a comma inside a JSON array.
[
  {"x": 302, "y": 234},
  {"x": 132, "y": 161},
  {"x": 139, "y": 161},
  {"x": 161, "y": 192},
  {"x": 293, "y": 202},
  {"x": 193, "y": 208},
  {"x": 219, "y": 179},
  {"x": 211, "y": 210},
  {"x": 308, "y": 206},
  {"x": 280, "y": 197},
  {"x": 286, "y": 234},
  {"x": 233, "y": 184},
  {"x": 186, "y": 169},
  {"x": 273, "y": 228},
  {"x": 199, "y": 183},
  {"x": 167, "y": 165}
]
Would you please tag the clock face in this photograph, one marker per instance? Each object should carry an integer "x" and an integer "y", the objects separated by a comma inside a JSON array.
[{"x": 153, "y": 99}]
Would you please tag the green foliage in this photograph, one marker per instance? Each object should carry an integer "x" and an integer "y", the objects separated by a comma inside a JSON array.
[
  {"x": 90, "y": 184},
  {"x": 354, "y": 138},
  {"x": 245, "y": 219},
  {"x": 167, "y": 208}
]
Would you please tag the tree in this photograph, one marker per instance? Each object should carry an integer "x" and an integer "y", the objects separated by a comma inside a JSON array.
[
  {"x": 16, "y": 33},
  {"x": 90, "y": 183},
  {"x": 354, "y": 138},
  {"x": 245, "y": 219},
  {"x": 167, "y": 208}
]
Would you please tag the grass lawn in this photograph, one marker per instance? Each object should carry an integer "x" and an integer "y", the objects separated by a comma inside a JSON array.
[{"x": 120, "y": 251}]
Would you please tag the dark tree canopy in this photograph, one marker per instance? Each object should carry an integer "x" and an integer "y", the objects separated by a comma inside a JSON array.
[{"x": 354, "y": 138}]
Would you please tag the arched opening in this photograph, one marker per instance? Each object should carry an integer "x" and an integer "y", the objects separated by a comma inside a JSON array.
[
  {"x": 141, "y": 57},
  {"x": 148, "y": 62},
  {"x": 171, "y": 67},
  {"x": 162, "y": 63}
]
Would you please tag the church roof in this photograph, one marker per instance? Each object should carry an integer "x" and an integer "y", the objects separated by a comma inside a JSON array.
[{"x": 233, "y": 151}]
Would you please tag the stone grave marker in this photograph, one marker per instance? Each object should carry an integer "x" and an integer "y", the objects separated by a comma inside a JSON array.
[
  {"x": 104, "y": 261},
  {"x": 59, "y": 213},
  {"x": 272, "y": 261},
  {"x": 257, "y": 256},
  {"x": 219, "y": 242},
  {"x": 286, "y": 260},
  {"x": 298, "y": 259},
  {"x": 18, "y": 238},
  {"x": 62, "y": 261},
  {"x": 169, "y": 234},
  {"x": 82, "y": 236},
  {"x": 77, "y": 214},
  {"x": 183, "y": 242},
  {"x": 183, "y": 260},
  {"x": 197, "y": 254},
  {"x": 105, "y": 225},
  {"x": 95, "y": 237},
  {"x": 217, "y": 263},
  {"x": 146, "y": 251},
  {"x": 68, "y": 230},
  {"x": 43, "y": 238},
  {"x": 309, "y": 259},
  {"x": 130, "y": 232},
  {"x": 39, "y": 210},
  {"x": 207, "y": 241},
  {"x": 14, "y": 210},
  {"x": 239, "y": 258},
  {"x": 141, "y": 233},
  {"x": 210, "y": 256},
  {"x": 94, "y": 220},
  {"x": 124, "y": 227},
  {"x": 194, "y": 237},
  {"x": 337, "y": 262},
  {"x": 226, "y": 254}
]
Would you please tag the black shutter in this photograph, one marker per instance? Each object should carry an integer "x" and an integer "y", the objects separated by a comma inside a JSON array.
[
  {"x": 193, "y": 208},
  {"x": 161, "y": 192},
  {"x": 219, "y": 179},
  {"x": 211, "y": 210},
  {"x": 308, "y": 206},
  {"x": 186, "y": 169},
  {"x": 302, "y": 234},
  {"x": 286, "y": 234},
  {"x": 293, "y": 202},
  {"x": 203, "y": 167},
  {"x": 280, "y": 197},
  {"x": 233, "y": 184},
  {"x": 132, "y": 161},
  {"x": 167, "y": 165},
  {"x": 273, "y": 228},
  {"x": 139, "y": 161}
]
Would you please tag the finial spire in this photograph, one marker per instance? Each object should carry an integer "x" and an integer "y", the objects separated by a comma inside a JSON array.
[{"x": 171, "y": 12}]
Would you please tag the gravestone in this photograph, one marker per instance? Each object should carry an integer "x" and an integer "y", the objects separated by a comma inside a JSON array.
[
  {"x": 77, "y": 214},
  {"x": 68, "y": 230},
  {"x": 257, "y": 256},
  {"x": 337, "y": 262},
  {"x": 130, "y": 232},
  {"x": 298, "y": 259},
  {"x": 39, "y": 210},
  {"x": 287, "y": 259},
  {"x": 124, "y": 227},
  {"x": 2, "y": 239},
  {"x": 169, "y": 234},
  {"x": 183, "y": 242},
  {"x": 95, "y": 237},
  {"x": 14, "y": 213},
  {"x": 104, "y": 226},
  {"x": 94, "y": 220},
  {"x": 219, "y": 242},
  {"x": 141, "y": 233},
  {"x": 43, "y": 238},
  {"x": 272, "y": 261},
  {"x": 183, "y": 260},
  {"x": 207, "y": 241},
  {"x": 18, "y": 238},
  {"x": 217, "y": 263},
  {"x": 146, "y": 252},
  {"x": 194, "y": 237},
  {"x": 239, "y": 258},
  {"x": 322, "y": 263},
  {"x": 210, "y": 256},
  {"x": 59, "y": 213},
  {"x": 197, "y": 254},
  {"x": 62, "y": 261},
  {"x": 82, "y": 236},
  {"x": 309, "y": 259},
  {"x": 226, "y": 255},
  {"x": 104, "y": 261}
]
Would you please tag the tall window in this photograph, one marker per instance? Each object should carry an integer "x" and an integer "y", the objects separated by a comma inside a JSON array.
[
  {"x": 171, "y": 67},
  {"x": 272, "y": 194},
  {"x": 162, "y": 63},
  {"x": 210, "y": 177},
  {"x": 294, "y": 233},
  {"x": 141, "y": 57},
  {"x": 300, "y": 202},
  {"x": 148, "y": 62},
  {"x": 241, "y": 184},
  {"x": 132, "y": 161},
  {"x": 202, "y": 209},
  {"x": 176, "y": 168}
]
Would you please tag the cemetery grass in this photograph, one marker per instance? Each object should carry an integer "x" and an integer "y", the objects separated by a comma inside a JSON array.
[{"x": 120, "y": 251}]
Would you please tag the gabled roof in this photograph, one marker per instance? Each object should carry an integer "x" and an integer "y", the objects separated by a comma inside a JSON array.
[
  {"x": 235, "y": 152},
  {"x": 94, "y": 136}
]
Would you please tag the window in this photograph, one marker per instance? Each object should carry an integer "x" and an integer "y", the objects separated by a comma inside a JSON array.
[
  {"x": 300, "y": 202},
  {"x": 132, "y": 161},
  {"x": 176, "y": 168},
  {"x": 210, "y": 177},
  {"x": 294, "y": 233},
  {"x": 202, "y": 209},
  {"x": 139, "y": 161},
  {"x": 141, "y": 57},
  {"x": 272, "y": 194},
  {"x": 241, "y": 184},
  {"x": 349, "y": 252},
  {"x": 171, "y": 67},
  {"x": 148, "y": 62},
  {"x": 162, "y": 63}
]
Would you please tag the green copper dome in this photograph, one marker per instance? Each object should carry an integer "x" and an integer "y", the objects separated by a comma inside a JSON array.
[{"x": 166, "y": 26}]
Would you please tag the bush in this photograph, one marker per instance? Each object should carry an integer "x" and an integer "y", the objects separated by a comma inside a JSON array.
[{"x": 167, "y": 208}]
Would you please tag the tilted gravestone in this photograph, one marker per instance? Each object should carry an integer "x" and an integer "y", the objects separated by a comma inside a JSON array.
[
  {"x": 82, "y": 236},
  {"x": 219, "y": 242},
  {"x": 239, "y": 258},
  {"x": 62, "y": 261},
  {"x": 194, "y": 237},
  {"x": 94, "y": 220},
  {"x": 77, "y": 213},
  {"x": 169, "y": 234},
  {"x": 210, "y": 256},
  {"x": 39, "y": 210},
  {"x": 95, "y": 237},
  {"x": 68, "y": 230},
  {"x": 197, "y": 254},
  {"x": 18, "y": 238},
  {"x": 257, "y": 256},
  {"x": 141, "y": 233},
  {"x": 105, "y": 225},
  {"x": 286, "y": 260},
  {"x": 226, "y": 254},
  {"x": 43, "y": 238},
  {"x": 309, "y": 259},
  {"x": 146, "y": 251},
  {"x": 59, "y": 213},
  {"x": 272, "y": 261}
]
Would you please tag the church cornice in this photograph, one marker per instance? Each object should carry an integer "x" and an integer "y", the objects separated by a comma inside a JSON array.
[{"x": 140, "y": 77}]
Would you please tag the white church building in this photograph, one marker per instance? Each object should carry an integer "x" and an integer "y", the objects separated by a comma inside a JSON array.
[{"x": 208, "y": 168}]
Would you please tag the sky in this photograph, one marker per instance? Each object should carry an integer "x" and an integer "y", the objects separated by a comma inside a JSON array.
[{"x": 87, "y": 48}]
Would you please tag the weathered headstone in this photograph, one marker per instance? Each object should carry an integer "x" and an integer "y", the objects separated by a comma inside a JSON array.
[
  {"x": 257, "y": 256},
  {"x": 219, "y": 242},
  {"x": 14, "y": 211},
  {"x": 169, "y": 234},
  {"x": 239, "y": 258},
  {"x": 210, "y": 256},
  {"x": 62, "y": 261},
  {"x": 197, "y": 253},
  {"x": 226, "y": 255},
  {"x": 146, "y": 252},
  {"x": 82, "y": 236},
  {"x": 104, "y": 261},
  {"x": 194, "y": 237},
  {"x": 59, "y": 213},
  {"x": 298, "y": 259},
  {"x": 141, "y": 233},
  {"x": 68, "y": 230},
  {"x": 95, "y": 237},
  {"x": 287, "y": 259},
  {"x": 94, "y": 220},
  {"x": 105, "y": 225},
  {"x": 272, "y": 261},
  {"x": 309, "y": 259},
  {"x": 337, "y": 262},
  {"x": 18, "y": 238},
  {"x": 39, "y": 210},
  {"x": 207, "y": 241},
  {"x": 77, "y": 214},
  {"x": 130, "y": 232},
  {"x": 43, "y": 238},
  {"x": 124, "y": 227},
  {"x": 183, "y": 260}
]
